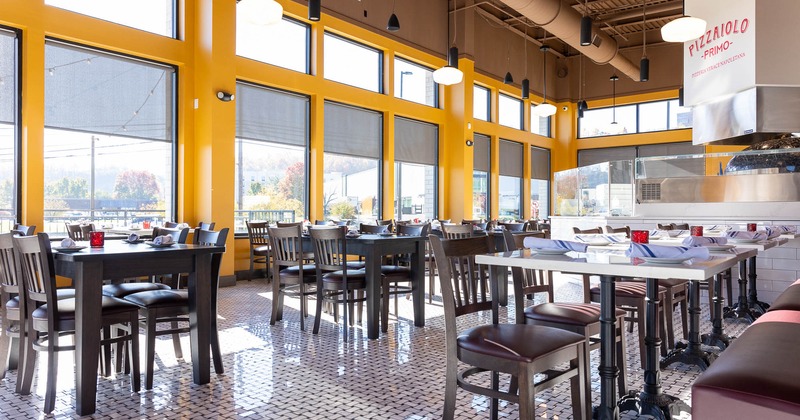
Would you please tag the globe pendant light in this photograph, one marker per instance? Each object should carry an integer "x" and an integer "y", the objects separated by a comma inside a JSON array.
[
  {"x": 262, "y": 12},
  {"x": 544, "y": 109},
  {"x": 450, "y": 74},
  {"x": 685, "y": 28}
]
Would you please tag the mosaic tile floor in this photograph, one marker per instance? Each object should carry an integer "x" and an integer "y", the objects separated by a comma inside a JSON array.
[{"x": 280, "y": 372}]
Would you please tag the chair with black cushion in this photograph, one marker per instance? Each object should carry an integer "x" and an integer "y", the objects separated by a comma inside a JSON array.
[
  {"x": 513, "y": 227},
  {"x": 578, "y": 317},
  {"x": 520, "y": 350},
  {"x": 452, "y": 231},
  {"x": 10, "y": 306},
  {"x": 258, "y": 234},
  {"x": 79, "y": 232},
  {"x": 624, "y": 229},
  {"x": 179, "y": 236},
  {"x": 288, "y": 224},
  {"x": 49, "y": 318},
  {"x": 206, "y": 226},
  {"x": 373, "y": 229},
  {"x": 169, "y": 305},
  {"x": 291, "y": 275},
  {"x": 400, "y": 272},
  {"x": 596, "y": 230},
  {"x": 336, "y": 282},
  {"x": 23, "y": 230}
]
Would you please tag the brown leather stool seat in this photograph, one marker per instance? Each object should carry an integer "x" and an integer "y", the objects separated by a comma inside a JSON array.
[
  {"x": 519, "y": 342},
  {"x": 789, "y": 299},
  {"x": 567, "y": 313}
]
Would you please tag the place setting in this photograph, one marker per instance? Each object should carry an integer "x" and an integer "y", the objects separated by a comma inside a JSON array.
[
  {"x": 164, "y": 241},
  {"x": 68, "y": 246}
]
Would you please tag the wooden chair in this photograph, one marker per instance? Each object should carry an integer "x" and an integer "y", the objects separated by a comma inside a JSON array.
[
  {"x": 23, "y": 230},
  {"x": 451, "y": 231},
  {"x": 400, "y": 272},
  {"x": 179, "y": 236},
  {"x": 11, "y": 309},
  {"x": 171, "y": 225},
  {"x": 169, "y": 305},
  {"x": 373, "y": 229},
  {"x": 625, "y": 229},
  {"x": 257, "y": 233},
  {"x": 483, "y": 224},
  {"x": 48, "y": 318},
  {"x": 578, "y": 317},
  {"x": 78, "y": 232},
  {"x": 291, "y": 276},
  {"x": 514, "y": 227},
  {"x": 336, "y": 282},
  {"x": 596, "y": 230},
  {"x": 206, "y": 226},
  {"x": 388, "y": 222},
  {"x": 520, "y": 350},
  {"x": 288, "y": 224},
  {"x": 665, "y": 226}
]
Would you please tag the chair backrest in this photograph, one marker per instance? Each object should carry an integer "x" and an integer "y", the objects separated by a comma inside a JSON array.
[
  {"x": 527, "y": 281},
  {"x": 288, "y": 224},
  {"x": 587, "y": 231},
  {"x": 287, "y": 246},
  {"x": 476, "y": 222},
  {"x": 8, "y": 265},
  {"x": 178, "y": 235},
  {"x": 680, "y": 226},
  {"x": 330, "y": 249},
  {"x": 79, "y": 232},
  {"x": 514, "y": 227},
  {"x": 206, "y": 226},
  {"x": 625, "y": 229},
  {"x": 258, "y": 233},
  {"x": 216, "y": 238},
  {"x": 464, "y": 283},
  {"x": 389, "y": 223},
  {"x": 665, "y": 226},
  {"x": 320, "y": 222},
  {"x": 171, "y": 224},
  {"x": 36, "y": 265},
  {"x": 414, "y": 230},
  {"x": 451, "y": 231},
  {"x": 365, "y": 228},
  {"x": 23, "y": 230}
]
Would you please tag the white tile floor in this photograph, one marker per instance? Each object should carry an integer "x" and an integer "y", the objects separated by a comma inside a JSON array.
[{"x": 280, "y": 372}]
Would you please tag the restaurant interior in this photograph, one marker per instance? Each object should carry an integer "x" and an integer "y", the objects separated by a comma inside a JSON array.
[{"x": 399, "y": 209}]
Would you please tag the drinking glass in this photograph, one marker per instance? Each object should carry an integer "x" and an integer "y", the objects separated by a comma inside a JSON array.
[
  {"x": 697, "y": 231},
  {"x": 97, "y": 239},
  {"x": 640, "y": 236},
  {"x": 751, "y": 227}
]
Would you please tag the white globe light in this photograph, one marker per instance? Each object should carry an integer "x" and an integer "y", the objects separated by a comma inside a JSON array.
[
  {"x": 262, "y": 12},
  {"x": 683, "y": 29},
  {"x": 545, "y": 110},
  {"x": 448, "y": 75}
]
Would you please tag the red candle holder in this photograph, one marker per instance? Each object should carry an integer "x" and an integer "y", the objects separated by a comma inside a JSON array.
[
  {"x": 640, "y": 236},
  {"x": 146, "y": 224},
  {"x": 697, "y": 231},
  {"x": 751, "y": 227},
  {"x": 97, "y": 239}
]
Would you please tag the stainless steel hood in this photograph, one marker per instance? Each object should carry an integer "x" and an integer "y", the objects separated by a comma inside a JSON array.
[{"x": 750, "y": 116}]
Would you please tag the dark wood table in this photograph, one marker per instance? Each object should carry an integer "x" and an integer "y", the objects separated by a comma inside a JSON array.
[{"x": 117, "y": 260}]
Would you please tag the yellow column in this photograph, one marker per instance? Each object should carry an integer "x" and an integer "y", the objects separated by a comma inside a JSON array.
[
  {"x": 32, "y": 124},
  {"x": 316, "y": 181},
  {"x": 455, "y": 170}
]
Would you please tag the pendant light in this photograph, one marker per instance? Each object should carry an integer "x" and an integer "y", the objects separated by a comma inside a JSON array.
[
  {"x": 684, "y": 28},
  {"x": 582, "y": 105},
  {"x": 544, "y": 109},
  {"x": 508, "y": 79},
  {"x": 526, "y": 84},
  {"x": 394, "y": 23},
  {"x": 644, "y": 63},
  {"x": 262, "y": 12},
  {"x": 586, "y": 28},
  {"x": 314, "y": 11},
  {"x": 450, "y": 74},
  {"x": 614, "y": 127}
]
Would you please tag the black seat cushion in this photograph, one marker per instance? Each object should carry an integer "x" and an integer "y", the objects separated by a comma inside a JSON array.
[
  {"x": 261, "y": 250},
  {"x": 308, "y": 270},
  {"x": 517, "y": 342},
  {"x": 124, "y": 289},
  {"x": 356, "y": 265},
  {"x": 580, "y": 314},
  {"x": 66, "y": 308},
  {"x": 395, "y": 270},
  {"x": 356, "y": 279},
  {"x": 159, "y": 298},
  {"x": 65, "y": 293},
  {"x": 12, "y": 303}
]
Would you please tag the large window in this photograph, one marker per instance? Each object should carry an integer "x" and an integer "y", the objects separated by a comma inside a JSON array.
[
  {"x": 271, "y": 155},
  {"x": 540, "y": 183},
  {"x": 637, "y": 118},
  {"x": 353, "y": 138},
  {"x": 480, "y": 176},
  {"x": 539, "y": 125},
  {"x": 8, "y": 130},
  {"x": 416, "y": 149},
  {"x": 510, "y": 182},
  {"x": 291, "y": 52},
  {"x": 108, "y": 139},
  {"x": 510, "y": 112},
  {"x": 352, "y": 63},
  {"x": 156, "y": 16},
  {"x": 481, "y": 103},
  {"x": 414, "y": 82}
]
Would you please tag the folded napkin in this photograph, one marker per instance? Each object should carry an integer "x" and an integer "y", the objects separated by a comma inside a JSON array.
[
  {"x": 705, "y": 240},
  {"x": 743, "y": 234},
  {"x": 718, "y": 228},
  {"x": 133, "y": 237},
  {"x": 656, "y": 233},
  {"x": 661, "y": 251},
  {"x": 590, "y": 238},
  {"x": 541, "y": 243},
  {"x": 162, "y": 240},
  {"x": 68, "y": 243},
  {"x": 773, "y": 232},
  {"x": 787, "y": 229}
]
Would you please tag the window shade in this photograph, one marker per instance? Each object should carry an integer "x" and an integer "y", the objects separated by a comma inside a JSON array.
[
  {"x": 588, "y": 157},
  {"x": 415, "y": 141},
  {"x": 511, "y": 154},
  {"x": 353, "y": 131},
  {"x": 8, "y": 73},
  {"x": 271, "y": 115},
  {"x": 540, "y": 163},
  {"x": 672, "y": 167},
  {"x": 481, "y": 151}
]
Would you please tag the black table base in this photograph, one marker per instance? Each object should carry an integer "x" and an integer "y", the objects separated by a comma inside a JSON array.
[
  {"x": 659, "y": 406},
  {"x": 717, "y": 337},
  {"x": 691, "y": 353},
  {"x": 742, "y": 310},
  {"x": 758, "y": 307}
]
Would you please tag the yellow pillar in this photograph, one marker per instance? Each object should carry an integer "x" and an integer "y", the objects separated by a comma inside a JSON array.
[
  {"x": 32, "y": 126},
  {"x": 455, "y": 170}
]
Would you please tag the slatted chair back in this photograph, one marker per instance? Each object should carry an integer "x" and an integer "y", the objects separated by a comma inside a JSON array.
[
  {"x": 78, "y": 232},
  {"x": 206, "y": 226},
  {"x": 414, "y": 230},
  {"x": 178, "y": 235},
  {"x": 258, "y": 233},
  {"x": 527, "y": 281},
  {"x": 23, "y": 230},
  {"x": 171, "y": 224},
  {"x": 8, "y": 264},
  {"x": 330, "y": 249},
  {"x": 374, "y": 229},
  {"x": 287, "y": 246},
  {"x": 289, "y": 224},
  {"x": 452, "y": 231},
  {"x": 215, "y": 238},
  {"x": 38, "y": 277},
  {"x": 665, "y": 226},
  {"x": 625, "y": 229},
  {"x": 483, "y": 224},
  {"x": 596, "y": 230}
]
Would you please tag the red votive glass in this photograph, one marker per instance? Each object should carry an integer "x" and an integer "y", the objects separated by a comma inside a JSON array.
[
  {"x": 146, "y": 224},
  {"x": 697, "y": 231},
  {"x": 751, "y": 227},
  {"x": 97, "y": 239},
  {"x": 640, "y": 236}
]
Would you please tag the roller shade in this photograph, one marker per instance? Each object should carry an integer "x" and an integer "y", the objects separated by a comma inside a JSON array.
[
  {"x": 481, "y": 150},
  {"x": 353, "y": 131},
  {"x": 511, "y": 154},
  {"x": 271, "y": 115},
  {"x": 415, "y": 141},
  {"x": 8, "y": 78},
  {"x": 95, "y": 92},
  {"x": 672, "y": 167},
  {"x": 540, "y": 163},
  {"x": 588, "y": 157}
]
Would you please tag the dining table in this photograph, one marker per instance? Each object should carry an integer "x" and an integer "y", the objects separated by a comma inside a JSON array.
[
  {"x": 650, "y": 400},
  {"x": 89, "y": 267}
]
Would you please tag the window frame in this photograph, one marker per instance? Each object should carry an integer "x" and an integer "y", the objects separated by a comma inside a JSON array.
[
  {"x": 381, "y": 84},
  {"x": 521, "y": 110},
  {"x": 176, "y": 19},
  {"x": 488, "y": 91},
  {"x": 307, "y": 43},
  {"x": 416, "y": 64},
  {"x": 668, "y": 101}
]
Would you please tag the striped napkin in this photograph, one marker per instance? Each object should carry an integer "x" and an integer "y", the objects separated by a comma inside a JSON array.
[
  {"x": 593, "y": 238},
  {"x": 743, "y": 234},
  {"x": 704, "y": 241},
  {"x": 541, "y": 243},
  {"x": 661, "y": 251},
  {"x": 773, "y": 232},
  {"x": 718, "y": 228},
  {"x": 787, "y": 228}
]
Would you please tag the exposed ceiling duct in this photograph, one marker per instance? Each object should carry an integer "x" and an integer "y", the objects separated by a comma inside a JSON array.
[{"x": 565, "y": 22}]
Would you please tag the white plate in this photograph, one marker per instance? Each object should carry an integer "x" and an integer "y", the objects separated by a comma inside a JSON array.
[
  {"x": 597, "y": 243},
  {"x": 138, "y": 241},
  {"x": 386, "y": 234},
  {"x": 743, "y": 240},
  {"x": 715, "y": 247},
  {"x": 150, "y": 243},
  {"x": 550, "y": 251},
  {"x": 68, "y": 250},
  {"x": 665, "y": 260}
]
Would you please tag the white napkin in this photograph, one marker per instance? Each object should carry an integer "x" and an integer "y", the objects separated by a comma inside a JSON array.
[
  {"x": 722, "y": 228},
  {"x": 541, "y": 243},
  {"x": 773, "y": 232},
  {"x": 661, "y": 251},
  {"x": 133, "y": 237},
  {"x": 591, "y": 238},
  {"x": 787, "y": 229},
  {"x": 68, "y": 243},
  {"x": 162, "y": 240},
  {"x": 704, "y": 241},
  {"x": 743, "y": 234},
  {"x": 656, "y": 233}
]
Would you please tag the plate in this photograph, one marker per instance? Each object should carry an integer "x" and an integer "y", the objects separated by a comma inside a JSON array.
[
  {"x": 598, "y": 243},
  {"x": 665, "y": 260},
  {"x": 68, "y": 250},
  {"x": 138, "y": 241},
  {"x": 386, "y": 234},
  {"x": 743, "y": 240},
  {"x": 716, "y": 247},
  {"x": 550, "y": 251},
  {"x": 150, "y": 243},
  {"x": 353, "y": 235}
]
